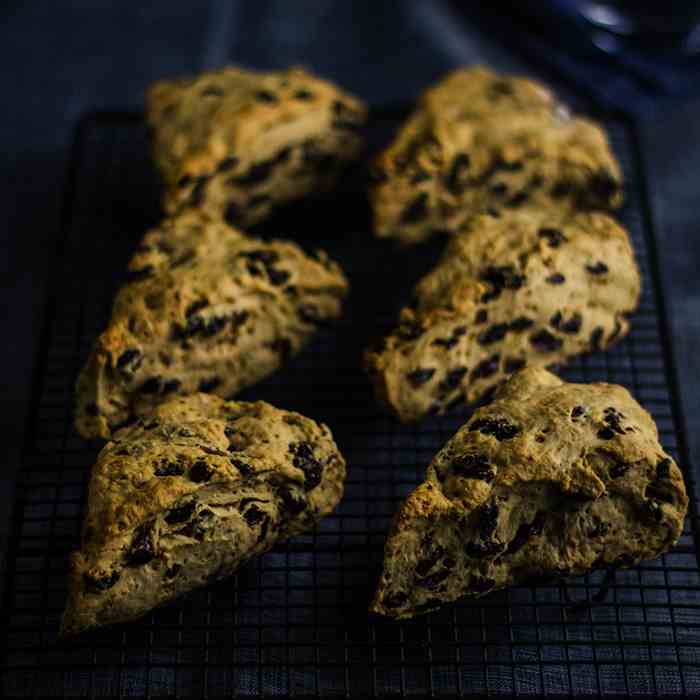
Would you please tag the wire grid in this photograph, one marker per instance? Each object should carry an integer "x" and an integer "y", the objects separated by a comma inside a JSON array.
[{"x": 294, "y": 621}]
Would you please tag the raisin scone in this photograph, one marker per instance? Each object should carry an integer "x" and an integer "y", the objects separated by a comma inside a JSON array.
[
  {"x": 479, "y": 141},
  {"x": 528, "y": 287},
  {"x": 551, "y": 479},
  {"x": 205, "y": 309},
  {"x": 236, "y": 142},
  {"x": 189, "y": 493}
]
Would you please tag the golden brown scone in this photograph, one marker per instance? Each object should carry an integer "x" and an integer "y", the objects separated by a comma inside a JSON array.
[
  {"x": 551, "y": 479},
  {"x": 529, "y": 287},
  {"x": 187, "y": 495},
  {"x": 236, "y": 142},
  {"x": 479, "y": 141},
  {"x": 205, "y": 309}
]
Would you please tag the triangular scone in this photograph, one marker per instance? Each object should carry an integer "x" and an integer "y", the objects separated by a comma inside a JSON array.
[
  {"x": 532, "y": 287},
  {"x": 478, "y": 141},
  {"x": 205, "y": 309},
  {"x": 188, "y": 494},
  {"x": 236, "y": 143},
  {"x": 550, "y": 479}
]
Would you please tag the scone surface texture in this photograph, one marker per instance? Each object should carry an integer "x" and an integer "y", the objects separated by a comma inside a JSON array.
[
  {"x": 551, "y": 479},
  {"x": 530, "y": 287},
  {"x": 185, "y": 496},
  {"x": 478, "y": 141},
  {"x": 237, "y": 143},
  {"x": 204, "y": 308}
]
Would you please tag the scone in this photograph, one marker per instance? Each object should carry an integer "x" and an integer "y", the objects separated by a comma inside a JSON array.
[
  {"x": 236, "y": 142},
  {"x": 205, "y": 309},
  {"x": 479, "y": 141},
  {"x": 551, "y": 479},
  {"x": 188, "y": 494},
  {"x": 528, "y": 287}
]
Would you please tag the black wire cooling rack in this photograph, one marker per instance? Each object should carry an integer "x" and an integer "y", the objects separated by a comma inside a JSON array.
[{"x": 294, "y": 622}]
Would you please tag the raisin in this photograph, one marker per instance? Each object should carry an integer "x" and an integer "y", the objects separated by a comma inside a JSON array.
[
  {"x": 256, "y": 174},
  {"x": 243, "y": 468},
  {"x": 396, "y": 600},
  {"x": 456, "y": 176},
  {"x": 142, "y": 548},
  {"x": 501, "y": 277},
  {"x": 277, "y": 277},
  {"x": 266, "y": 96},
  {"x": 544, "y": 341},
  {"x": 210, "y": 384},
  {"x": 576, "y": 412},
  {"x": 416, "y": 210},
  {"x": 303, "y": 458},
  {"x": 420, "y": 376},
  {"x": 452, "y": 379},
  {"x": 197, "y": 528},
  {"x": 603, "y": 185},
  {"x": 562, "y": 189},
  {"x": 571, "y": 325},
  {"x": 130, "y": 359},
  {"x": 96, "y": 584},
  {"x": 254, "y": 515},
  {"x": 239, "y": 318},
  {"x": 606, "y": 433},
  {"x": 618, "y": 468},
  {"x": 303, "y": 95},
  {"x": 169, "y": 469},
  {"x": 499, "y": 189},
  {"x": 612, "y": 418},
  {"x": 493, "y": 334},
  {"x": 172, "y": 571},
  {"x": 600, "y": 268},
  {"x": 517, "y": 199},
  {"x": 513, "y": 364},
  {"x": 520, "y": 324},
  {"x": 500, "y": 88},
  {"x": 197, "y": 194},
  {"x": 486, "y": 367},
  {"x": 473, "y": 466},
  {"x": 652, "y": 512},
  {"x": 663, "y": 468},
  {"x": 600, "y": 529},
  {"x": 596, "y": 337},
  {"x": 200, "y": 472},
  {"x": 151, "y": 386},
  {"x": 434, "y": 580},
  {"x": 171, "y": 385},
  {"x": 212, "y": 326},
  {"x": 283, "y": 347},
  {"x": 488, "y": 520},
  {"x": 482, "y": 315},
  {"x": 232, "y": 213},
  {"x": 553, "y": 235},
  {"x": 499, "y": 428},
  {"x": 180, "y": 514},
  {"x": 140, "y": 273},
  {"x": 556, "y": 278},
  {"x": 293, "y": 502},
  {"x": 481, "y": 584},
  {"x": 227, "y": 164}
]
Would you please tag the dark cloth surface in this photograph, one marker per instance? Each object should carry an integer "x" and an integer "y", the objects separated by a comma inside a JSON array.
[{"x": 63, "y": 59}]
